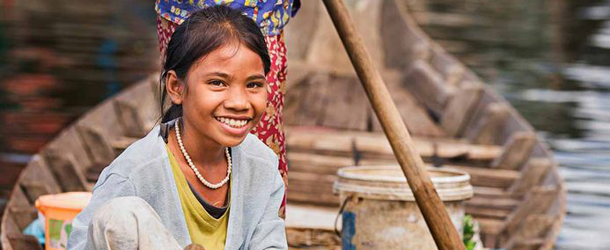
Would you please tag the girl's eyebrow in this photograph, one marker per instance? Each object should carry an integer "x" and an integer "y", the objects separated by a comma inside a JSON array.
[
  {"x": 220, "y": 74},
  {"x": 256, "y": 77}
]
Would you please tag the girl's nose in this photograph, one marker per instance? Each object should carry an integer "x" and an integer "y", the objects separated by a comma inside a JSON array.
[{"x": 237, "y": 100}]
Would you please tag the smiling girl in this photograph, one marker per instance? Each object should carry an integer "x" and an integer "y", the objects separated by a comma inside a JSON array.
[
  {"x": 271, "y": 16},
  {"x": 199, "y": 177}
]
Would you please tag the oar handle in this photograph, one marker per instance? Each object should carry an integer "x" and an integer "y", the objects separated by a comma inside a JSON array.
[{"x": 444, "y": 233}]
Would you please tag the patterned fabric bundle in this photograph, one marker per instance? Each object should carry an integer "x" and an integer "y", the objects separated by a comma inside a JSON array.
[{"x": 270, "y": 15}]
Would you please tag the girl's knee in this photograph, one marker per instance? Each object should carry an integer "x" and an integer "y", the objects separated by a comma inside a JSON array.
[{"x": 122, "y": 209}]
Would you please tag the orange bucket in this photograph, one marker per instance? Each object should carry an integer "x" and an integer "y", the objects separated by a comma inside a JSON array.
[{"x": 59, "y": 210}]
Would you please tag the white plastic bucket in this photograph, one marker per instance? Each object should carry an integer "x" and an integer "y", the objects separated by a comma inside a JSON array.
[{"x": 380, "y": 210}]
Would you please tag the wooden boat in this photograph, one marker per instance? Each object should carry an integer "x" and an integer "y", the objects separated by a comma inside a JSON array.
[{"x": 456, "y": 121}]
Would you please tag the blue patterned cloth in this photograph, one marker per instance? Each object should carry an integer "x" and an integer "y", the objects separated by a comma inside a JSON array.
[{"x": 270, "y": 15}]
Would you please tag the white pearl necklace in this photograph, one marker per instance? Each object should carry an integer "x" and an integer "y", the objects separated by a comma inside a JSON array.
[{"x": 190, "y": 162}]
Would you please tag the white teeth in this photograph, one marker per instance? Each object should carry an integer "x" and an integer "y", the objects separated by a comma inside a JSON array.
[{"x": 232, "y": 122}]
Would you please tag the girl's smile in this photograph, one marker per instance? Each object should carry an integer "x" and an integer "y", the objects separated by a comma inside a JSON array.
[{"x": 235, "y": 125}]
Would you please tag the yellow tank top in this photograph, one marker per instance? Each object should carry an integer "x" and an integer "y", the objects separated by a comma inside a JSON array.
[{"x": 205, "y": 230}]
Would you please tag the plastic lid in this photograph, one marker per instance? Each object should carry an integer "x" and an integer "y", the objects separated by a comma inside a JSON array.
[{"x": 70, "y": 200}]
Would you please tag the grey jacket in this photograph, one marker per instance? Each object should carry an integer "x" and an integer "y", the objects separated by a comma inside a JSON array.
[{"x": 143, "y": 170}]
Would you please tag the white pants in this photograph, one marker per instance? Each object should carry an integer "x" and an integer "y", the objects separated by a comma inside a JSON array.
[{"x": 127, "y": 223}]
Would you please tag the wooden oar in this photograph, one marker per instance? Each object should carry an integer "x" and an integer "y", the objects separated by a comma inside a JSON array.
[{"x": 444, "y": 233}]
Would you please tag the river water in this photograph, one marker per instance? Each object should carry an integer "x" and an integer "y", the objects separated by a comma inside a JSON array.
[
  {"x": 567, "y": 102},
  {"x": 574, "y": 118}
]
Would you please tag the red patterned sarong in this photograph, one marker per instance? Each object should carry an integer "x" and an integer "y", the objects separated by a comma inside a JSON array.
[{"x": 270, "y": 129}]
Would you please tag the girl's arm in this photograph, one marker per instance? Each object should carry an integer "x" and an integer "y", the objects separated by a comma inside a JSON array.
[
  {"x": 270, "y": 233},
  {"x": 108, "y": 187}
]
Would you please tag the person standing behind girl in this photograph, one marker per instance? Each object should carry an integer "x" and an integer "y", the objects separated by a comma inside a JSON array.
[
  {"x": 199, "y": 177},
  {"x": 271, "y": 16}
]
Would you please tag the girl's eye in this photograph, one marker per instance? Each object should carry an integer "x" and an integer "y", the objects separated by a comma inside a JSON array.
[
  {"x": 217, "y": 83},
  {"x": 255, "y": 85}
]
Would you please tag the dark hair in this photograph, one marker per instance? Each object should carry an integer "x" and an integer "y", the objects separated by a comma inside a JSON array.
[{"x": 203, "y": 32}]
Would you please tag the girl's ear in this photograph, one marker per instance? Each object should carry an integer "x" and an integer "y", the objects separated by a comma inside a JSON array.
[{"x": 174, "y": 87}]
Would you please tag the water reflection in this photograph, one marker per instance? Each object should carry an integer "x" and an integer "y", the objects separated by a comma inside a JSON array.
[
  {"x": 573, "y": 113},
  {"x": 579, "y": 134},
  {"x": 584, "y": 158}
]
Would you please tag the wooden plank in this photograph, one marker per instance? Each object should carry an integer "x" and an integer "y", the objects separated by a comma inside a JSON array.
[
  {"x": 427, "y": 87},
  {"x": 329, "y": 165},
  {"x": 490, "y": 230},
  {"x": 488, "y": 177},
  {"x": 23, "y": 215},
  {"x": 490, "y": 226},
  {"x": 137, "y": 108},
  {"x": 20, "y": 241},
  {"x": 533, "y": 230},
  {"x": 305, "y": 104},
  {"x": 35, "y": 189},
  {"x": 501, "y": 203},
  {"x": 403, "y": 41},
  {"x": 70, "y": 141},
  {"x": 314, "y": 106},
  {"x": 416, "y": 117},
  {"x": 312, "y": 179},
  {"x": 325, "y": 46},
  {"x": 300, "y": 31},
  {"x": 470, "y": 76},
  {"x": 331, "y": 103},
  {"x": 63, "y": 167},
  {"x": 448, "y": 67},
  {"x": 38, "y": 180},
  {"x": 298, "y": 72},
  {"x": 347, "y": 105},
  {"x": 375, "y": 145},
  {"x": 459, "y": 110},
  {"x": 18, "y": 198},
  {"x": 516, "y": 151},
  {"x": 485, "y": 131},
  {"x": 321, "y": 164},
  {"x": 458, "y": 149},
  {"x": 8, "y": 227},
  {"x": 537, "y": 202},
  {"x": 306, "y": 238},
  {"x": 97, "y": 144},
  {"x": 486, "y": 212},
  {"x": 493, "y": 193},
  {"x": 308, "y": 105},
  {"x": 313, "y": 198},
  {"x": 96, "y": 126},
  {"x": 312, "y": 188},
  {"x": 531, "y": 175},
  {"x": 497, "y": 178},
  {"x": 129, "y": 118},
  {"x": 532, "y": 244}
]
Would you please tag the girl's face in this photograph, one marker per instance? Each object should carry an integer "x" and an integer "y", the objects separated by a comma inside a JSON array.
[{"x": 226, "y": 94}]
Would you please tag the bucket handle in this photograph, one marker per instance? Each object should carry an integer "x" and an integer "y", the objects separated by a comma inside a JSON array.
[{"x": 348, "y": 198}]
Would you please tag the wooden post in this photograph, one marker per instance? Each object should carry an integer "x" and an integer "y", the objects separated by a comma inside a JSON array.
[{"x": 444, "y": 233}]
